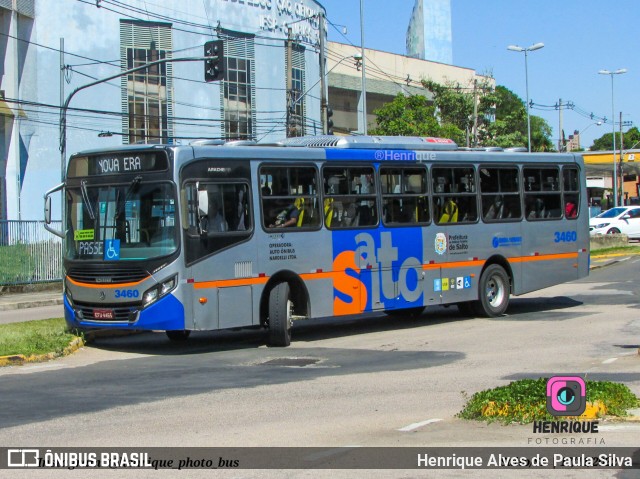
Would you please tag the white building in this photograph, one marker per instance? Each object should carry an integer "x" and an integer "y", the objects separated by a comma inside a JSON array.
[
  {"x": 52, "y": 47},
  {"x": 429, "y": 32}
]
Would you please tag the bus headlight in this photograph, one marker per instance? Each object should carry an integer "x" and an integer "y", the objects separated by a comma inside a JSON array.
[{"x": 159, "y": 290}]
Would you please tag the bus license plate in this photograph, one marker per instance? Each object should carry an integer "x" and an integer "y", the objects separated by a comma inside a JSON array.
[{"x": 103, "y": 313}]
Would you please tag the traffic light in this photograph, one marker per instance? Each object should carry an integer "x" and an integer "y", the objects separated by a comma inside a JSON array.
[
  {"x": 214, "y": 68},
  {"x": 329, "y": 121}
]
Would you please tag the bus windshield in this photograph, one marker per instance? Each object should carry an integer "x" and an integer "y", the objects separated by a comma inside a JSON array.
[{"x": 131, "y": 221}]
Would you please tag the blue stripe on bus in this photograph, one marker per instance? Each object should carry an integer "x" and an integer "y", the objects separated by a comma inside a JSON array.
[
  {"x": 166, "y": 314},
  {"x": 371, "y": 155}
]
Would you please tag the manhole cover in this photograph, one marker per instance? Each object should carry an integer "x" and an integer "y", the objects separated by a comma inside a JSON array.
[{"x": 291, "y": 362}]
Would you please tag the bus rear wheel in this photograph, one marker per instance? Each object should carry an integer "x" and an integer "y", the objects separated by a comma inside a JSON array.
[
  {"x": 280, "y": 313},
  {"x": 494, "y": 292},
  {"x": 178, "y": 335}
]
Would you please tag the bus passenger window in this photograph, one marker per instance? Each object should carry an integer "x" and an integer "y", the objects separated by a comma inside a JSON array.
[
  {"x": 454, "y": 194},
  {"x": 500, "y": 194},
  {"x": 350, "y": 197},
  {"x": 293, "y": 197},
  {"x": 571, "y": 191},
  {"x": 404, "y": 199},
  {"x": 546, "y": 203}
]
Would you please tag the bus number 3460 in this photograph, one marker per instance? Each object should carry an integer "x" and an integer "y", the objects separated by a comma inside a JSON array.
[
  {"x": 566, "y": 236},
  {"x": 127, "y": 293}
]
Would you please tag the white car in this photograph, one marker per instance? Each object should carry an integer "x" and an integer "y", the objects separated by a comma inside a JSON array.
[{"x": 621, "y": 219}]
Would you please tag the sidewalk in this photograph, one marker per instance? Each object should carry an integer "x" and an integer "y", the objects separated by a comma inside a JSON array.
[
  {"x": 36, "y": 299},
  {"x": 33, "y": 299}
]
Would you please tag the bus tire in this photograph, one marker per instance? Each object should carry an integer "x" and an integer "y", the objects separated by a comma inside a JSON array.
[
  {"x": 494, "y": 292},
  {"x": 178, "y": 335},
  {"x": 280, "y": 311}
]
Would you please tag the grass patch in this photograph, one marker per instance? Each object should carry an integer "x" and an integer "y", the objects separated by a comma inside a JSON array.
[
  {"x": 34, "y": 337},
  {"x": 525, "y": 401},
  {"x": 616, "y": 250}
]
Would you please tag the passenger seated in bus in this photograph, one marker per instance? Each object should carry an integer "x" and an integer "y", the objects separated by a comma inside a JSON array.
[
  {"x": 449, "y": 212},
  {"x": 570, "y": 209},
  {"x": 291, "y": 216},
  {"x": 213, "y": 221},
  {"x": 536, "y": 209},
  {"x": 496, "y": 210}
]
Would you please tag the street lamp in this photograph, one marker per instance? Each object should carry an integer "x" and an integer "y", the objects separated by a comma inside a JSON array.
[
  {"x": 613, "y": 130},
  {"x": 515, "y": 48}
]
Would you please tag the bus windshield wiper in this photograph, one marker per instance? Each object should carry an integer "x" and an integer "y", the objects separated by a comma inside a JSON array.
[
  {"x": 85, "y": 198},
  {"x": 134, "y": 183}
]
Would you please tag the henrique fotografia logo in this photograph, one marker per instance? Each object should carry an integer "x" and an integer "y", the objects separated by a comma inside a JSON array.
[{"x": 566, "y": 396}]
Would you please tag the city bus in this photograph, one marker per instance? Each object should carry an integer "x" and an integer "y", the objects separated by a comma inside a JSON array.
[{"x": 215, "y": 235}]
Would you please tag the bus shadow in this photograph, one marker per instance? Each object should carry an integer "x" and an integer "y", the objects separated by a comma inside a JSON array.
[
  {"x": 530, "y": 309},
  {"x": 156, "y": 343}
]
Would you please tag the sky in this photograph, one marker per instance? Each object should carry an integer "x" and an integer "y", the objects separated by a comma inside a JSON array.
[{"x": 581, "y": 37}]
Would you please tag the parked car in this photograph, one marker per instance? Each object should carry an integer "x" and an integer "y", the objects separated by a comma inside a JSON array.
[{"x": 621, "y": 219}]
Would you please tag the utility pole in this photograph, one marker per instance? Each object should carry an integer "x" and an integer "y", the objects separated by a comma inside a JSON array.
[
  {"x": 323, "y": 80},
  {"x": 475, "y": 113},
  {"x": 290, "y": 106},
  {"x": 621, "y": 175},
  {"x": 560, "y": 131}
]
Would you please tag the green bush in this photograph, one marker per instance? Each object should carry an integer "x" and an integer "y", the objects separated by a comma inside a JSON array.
[{"x": 525, "y": 401}]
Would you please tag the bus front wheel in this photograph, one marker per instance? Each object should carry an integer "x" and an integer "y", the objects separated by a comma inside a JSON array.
[
  {"x": 494, "y": 291},
  {"x": 280, "y": 312}
]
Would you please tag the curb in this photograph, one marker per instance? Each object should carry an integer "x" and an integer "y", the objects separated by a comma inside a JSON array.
[
  {"x": 31, "y": 304},
  {"x": 20, "y": 359}
]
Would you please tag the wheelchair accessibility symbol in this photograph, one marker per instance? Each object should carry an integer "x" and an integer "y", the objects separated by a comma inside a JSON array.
[{"x": 112, "y": 249}]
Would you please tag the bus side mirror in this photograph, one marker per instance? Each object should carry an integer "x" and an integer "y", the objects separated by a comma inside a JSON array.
[{"x": 47, "y": 210}]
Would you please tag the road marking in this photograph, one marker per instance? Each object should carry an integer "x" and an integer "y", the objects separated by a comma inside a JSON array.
[
  {"x": 609, "y": 361},
  {"x": 416, "y": 425}
]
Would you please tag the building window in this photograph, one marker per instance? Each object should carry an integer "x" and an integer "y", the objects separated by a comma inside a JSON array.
[
  {"x": 237, "y": 99},
  {"x": 238, "y": 91},
  {"x": 295, "y": 97},
  {"x": 147, "y": 93}
]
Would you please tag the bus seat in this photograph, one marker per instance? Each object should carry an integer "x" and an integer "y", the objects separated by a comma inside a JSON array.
[
  {"x": 328, "y": 211},
  {"x": 449, "y": 212},
  {"x": 299, "y": 204}
]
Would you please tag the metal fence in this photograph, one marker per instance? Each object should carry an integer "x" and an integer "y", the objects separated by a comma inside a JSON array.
[{"x": 29, "y": 253}]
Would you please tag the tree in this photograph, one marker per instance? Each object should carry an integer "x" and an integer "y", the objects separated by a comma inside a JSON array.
[
  {"x": 605, "y": 142},
  {"x": 412, "y": 116},
  {"x": 510, "y": 125},
  {"x": 501, "y": 117}
]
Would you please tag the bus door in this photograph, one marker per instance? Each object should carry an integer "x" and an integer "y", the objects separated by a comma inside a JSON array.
[{"x": 218, "y": 226}]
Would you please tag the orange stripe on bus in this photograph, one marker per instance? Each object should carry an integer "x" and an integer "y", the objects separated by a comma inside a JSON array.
[
  {"x": 226, "y": 283},
  {"x": 546, "y": 257},
  {"x": 106, "y": 285}
]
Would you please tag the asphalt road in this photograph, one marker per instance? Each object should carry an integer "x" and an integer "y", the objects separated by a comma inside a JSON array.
[{"x": 377, "y": 381}]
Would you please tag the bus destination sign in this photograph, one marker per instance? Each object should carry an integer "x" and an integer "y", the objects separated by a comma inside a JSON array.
[{"x": 116, "y": 164}]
